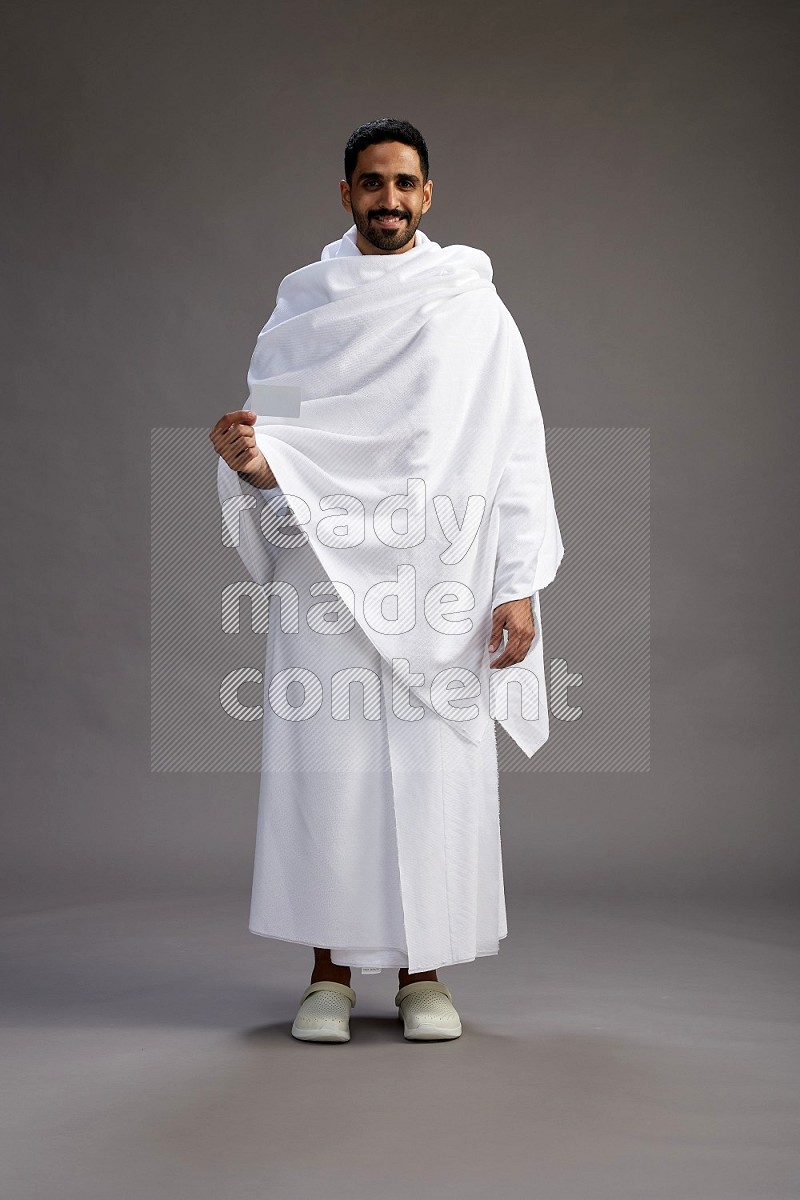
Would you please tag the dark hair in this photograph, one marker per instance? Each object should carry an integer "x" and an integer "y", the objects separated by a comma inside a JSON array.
[{"x": 384, "y": 130}]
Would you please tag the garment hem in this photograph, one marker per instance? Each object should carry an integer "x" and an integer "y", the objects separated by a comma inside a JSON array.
[{"x": 386, "y": 966}]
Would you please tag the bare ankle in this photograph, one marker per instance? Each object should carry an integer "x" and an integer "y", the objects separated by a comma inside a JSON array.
[
  {"x": 403, "y": 977},
  {"x": 324, "y": 969}
]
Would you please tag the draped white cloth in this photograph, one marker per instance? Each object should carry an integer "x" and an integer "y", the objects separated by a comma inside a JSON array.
[{"x": 413, "y": 497}]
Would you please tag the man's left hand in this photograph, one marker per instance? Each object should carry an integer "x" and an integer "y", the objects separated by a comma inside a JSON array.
[{"x": 517, "y": 617}]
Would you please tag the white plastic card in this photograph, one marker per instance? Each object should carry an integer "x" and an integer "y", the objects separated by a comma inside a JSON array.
[{"x": 276, "y": 399}]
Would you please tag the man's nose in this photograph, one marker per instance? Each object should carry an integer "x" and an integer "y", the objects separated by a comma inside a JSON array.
[{"x": 391, "y": 199}]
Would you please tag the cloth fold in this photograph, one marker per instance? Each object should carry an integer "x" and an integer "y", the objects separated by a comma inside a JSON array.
[{"x": 416, "y": 470}]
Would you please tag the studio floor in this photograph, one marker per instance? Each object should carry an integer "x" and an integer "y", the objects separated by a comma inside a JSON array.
[{"x": 611, "y": 1051}]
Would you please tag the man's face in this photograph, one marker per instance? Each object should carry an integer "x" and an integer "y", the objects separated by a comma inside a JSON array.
[{"x": 387, "y": 182}]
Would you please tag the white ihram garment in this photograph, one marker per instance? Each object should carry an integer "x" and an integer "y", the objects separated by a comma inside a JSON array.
[{"x": 379, "y": 836}]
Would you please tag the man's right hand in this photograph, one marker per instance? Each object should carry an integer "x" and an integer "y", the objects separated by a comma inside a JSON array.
[{"x": 234, "y": 440}]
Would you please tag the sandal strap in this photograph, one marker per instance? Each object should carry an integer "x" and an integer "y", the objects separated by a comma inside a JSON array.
[
  {"x": 422, "y": 985},
  {"x": 330, "y": 985}
]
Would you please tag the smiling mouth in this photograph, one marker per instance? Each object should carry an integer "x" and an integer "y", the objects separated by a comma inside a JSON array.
[{"x": 389, "y": 222}]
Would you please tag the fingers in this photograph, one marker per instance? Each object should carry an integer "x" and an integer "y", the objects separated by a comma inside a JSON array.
[
  {"x": 497, "y": 628},
  {"x": 237, "y": 439},
  {"x": 240, "y": 416},
  {"x": 520, "y": 640},
  {"x": 246, "y": 458},
  {"x": 236, "y": 450},
  {"x": 233, "y": 438},
  {"x": 515, "y": 651}
]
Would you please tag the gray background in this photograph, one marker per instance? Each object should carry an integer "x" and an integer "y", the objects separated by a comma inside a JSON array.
[{"x": 629, "y": 168}]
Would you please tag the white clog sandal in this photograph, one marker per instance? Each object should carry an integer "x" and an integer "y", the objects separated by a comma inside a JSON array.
[
  {"x": 426, "y": 1009},
  {"x": 324, "y": 1013}
]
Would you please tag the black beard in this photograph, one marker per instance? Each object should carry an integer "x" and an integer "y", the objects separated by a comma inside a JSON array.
[{"x": 387, "y": 239}]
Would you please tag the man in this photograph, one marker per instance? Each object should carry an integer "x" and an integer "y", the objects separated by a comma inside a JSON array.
[{"x": 378, "y": 836}]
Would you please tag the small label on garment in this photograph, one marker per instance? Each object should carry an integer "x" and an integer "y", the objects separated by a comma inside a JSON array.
[{"x": 370, "y": 970}]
